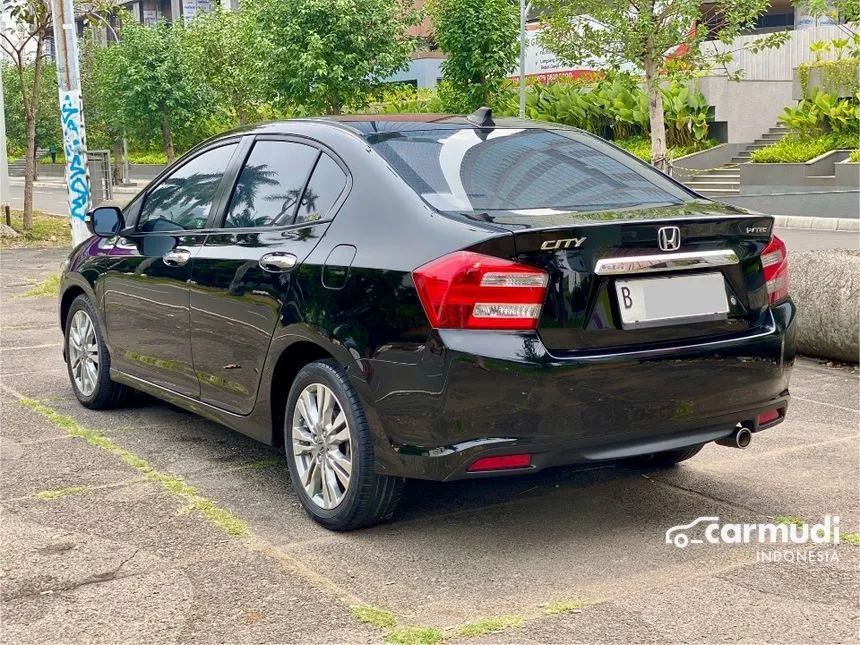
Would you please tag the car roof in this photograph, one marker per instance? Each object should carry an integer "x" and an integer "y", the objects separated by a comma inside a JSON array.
[{"x": 366, "y": 125}]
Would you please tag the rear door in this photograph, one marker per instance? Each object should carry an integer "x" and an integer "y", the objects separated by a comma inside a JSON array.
[
  {"x": 146, "y": 298},
  {"x": 282, "y": 200}
]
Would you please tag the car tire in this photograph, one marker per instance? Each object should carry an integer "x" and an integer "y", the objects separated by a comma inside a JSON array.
[
  {"x": 668, "y": 458},
  {"x": 88, "y": 360},
  {"x": 330, "y": 455}
]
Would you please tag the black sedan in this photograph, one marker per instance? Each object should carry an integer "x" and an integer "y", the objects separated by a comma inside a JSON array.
[{"x": 435, "y": 297}]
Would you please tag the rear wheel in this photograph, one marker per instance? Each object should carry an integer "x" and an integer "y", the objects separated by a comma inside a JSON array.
[
  {"x": 669, "y": 457},
  {"x": 330, "y": 452},
  {"x": 88, "y": 361}
]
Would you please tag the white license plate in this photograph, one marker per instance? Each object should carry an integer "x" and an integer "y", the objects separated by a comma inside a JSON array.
[{"x": 653, "y": 302}]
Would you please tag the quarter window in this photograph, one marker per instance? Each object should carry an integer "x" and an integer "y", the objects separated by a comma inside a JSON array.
[
  {"x": 184, "y": 198},
  {"x": 270, "y": 184},
  {"x": 324, "y": 188}
]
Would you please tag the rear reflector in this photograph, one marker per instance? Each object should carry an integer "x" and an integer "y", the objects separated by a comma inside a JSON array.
[
  {"x": 466, "y": 290},
  {"x": 503, "y": 462},
  {"x": 774, "y": 263},
  {"x": 767, "y": 417}
]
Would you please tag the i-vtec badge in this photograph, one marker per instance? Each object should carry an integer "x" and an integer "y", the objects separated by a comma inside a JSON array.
[
  {"x": 756, "y": 229},
  {"x": 555, "y": 245}
]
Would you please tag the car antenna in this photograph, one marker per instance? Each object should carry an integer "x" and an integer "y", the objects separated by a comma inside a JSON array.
[{"x": 482, "y": 117}]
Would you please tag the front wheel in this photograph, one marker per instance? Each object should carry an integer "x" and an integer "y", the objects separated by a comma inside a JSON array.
[
  {"x": 88, "y": 361},
  {"x": 330, "y": 452}
]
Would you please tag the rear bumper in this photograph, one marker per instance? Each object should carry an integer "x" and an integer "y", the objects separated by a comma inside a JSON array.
[{"x": 467, "y": 395}]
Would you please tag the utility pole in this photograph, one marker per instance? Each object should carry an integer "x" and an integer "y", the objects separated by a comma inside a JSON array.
[
  {"x": 524, "y": 9},
  {"x": 72, "y": 116},
  {"x": 5, "y": 197}
]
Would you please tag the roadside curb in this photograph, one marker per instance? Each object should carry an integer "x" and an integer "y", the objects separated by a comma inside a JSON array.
[
  {"x": 817, "y": 223},
  {"x": 126, "y": 190}
]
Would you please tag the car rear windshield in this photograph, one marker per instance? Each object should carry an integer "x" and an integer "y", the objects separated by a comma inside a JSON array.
[{"x": 531, "y": 171}]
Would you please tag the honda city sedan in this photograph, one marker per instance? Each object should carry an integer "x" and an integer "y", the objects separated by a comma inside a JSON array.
[{"x": 434, "y": 297}]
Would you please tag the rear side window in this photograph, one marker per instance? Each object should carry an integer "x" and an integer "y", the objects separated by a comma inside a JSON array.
[
  {"x": 324, "y": 188},
  {"x": 182, "y": 200},
  {"x": 531, "y": 170},
  {"x": 270, "y": 184}
]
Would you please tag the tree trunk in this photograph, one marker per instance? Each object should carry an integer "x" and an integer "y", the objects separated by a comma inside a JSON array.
[
  {"x": 167, "y": 133},
  {"x": 118, "y": 161},
  {"x": 29, "y": 171},
  {"x": 655, "y": 115}
]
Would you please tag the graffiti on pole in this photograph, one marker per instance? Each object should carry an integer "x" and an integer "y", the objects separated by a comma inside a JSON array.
[{"x": 75, "y": 149}]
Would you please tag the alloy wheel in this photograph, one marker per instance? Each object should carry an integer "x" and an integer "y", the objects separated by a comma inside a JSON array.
[
  {"x": 322, "y": 446},
  {"x": 83, "y": 353}
]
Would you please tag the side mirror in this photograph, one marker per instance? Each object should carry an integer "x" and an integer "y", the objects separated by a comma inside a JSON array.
[{"x": 106, "y": 221}]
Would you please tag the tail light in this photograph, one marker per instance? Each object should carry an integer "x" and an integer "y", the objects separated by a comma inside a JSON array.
[
  {"x": 466, "y": 290},
  {"x": 774, "y": 262}
]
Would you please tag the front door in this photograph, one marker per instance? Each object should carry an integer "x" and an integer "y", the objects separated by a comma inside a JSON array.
[
  {"x": 274, "y": 218},
  {"x": 146, "y": 296}
]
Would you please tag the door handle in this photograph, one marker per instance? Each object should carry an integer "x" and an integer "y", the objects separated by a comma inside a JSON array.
[
  {"x": 278, "y": 262},
  {"x": 177, "y": 257}
]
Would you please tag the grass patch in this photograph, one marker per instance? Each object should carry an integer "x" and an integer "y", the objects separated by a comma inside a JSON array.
[
  {"x": 854, "y": 156},
  {"x": 791, "y": 520},
  {"x": 375, "y": 616},
  {"x": 52, "y": 231},
  {"x": 563, "y": 607},
  {"x": 850, "y": 538},
  {"x": 415, "y": 635},
  {"x": 484, "y": 626},
  {"x": 62, "y": 492},
  {"x": 794, "y": 149},
  {"x": 49, "y": 288},
  {"x": 222, "y": 518}
]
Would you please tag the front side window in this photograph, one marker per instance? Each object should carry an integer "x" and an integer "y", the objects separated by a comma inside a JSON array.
[
  {"x": 531, "y": 171},
  {"x": 183, "y": 199},
  {"x": 270, "y": 185}
]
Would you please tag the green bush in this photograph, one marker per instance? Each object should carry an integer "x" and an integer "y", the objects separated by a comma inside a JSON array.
[
  {"x": 823, "y": 113},
  {"x": 855, "y": 156},
  {"x": 641, "y": 147},
  {"x": 794, "y": 149}
]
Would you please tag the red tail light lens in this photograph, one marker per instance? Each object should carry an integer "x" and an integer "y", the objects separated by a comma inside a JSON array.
[
  {"x": 503, "y": 462},
  {"x": 774, "y": 262},
  {"x": 466, "y": 290}
]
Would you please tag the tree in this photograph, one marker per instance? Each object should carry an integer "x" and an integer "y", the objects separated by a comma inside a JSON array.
[
  {"x": 149, "y": 85},
  {"x": 480, "y": 39},
  {"x": 48, "y": 128},
  {"x": 659, "y": 37},
  {"x": 323, "y": 55},
  {"x": 24, "y": 44},
  {"x": 221, "y": 47}
]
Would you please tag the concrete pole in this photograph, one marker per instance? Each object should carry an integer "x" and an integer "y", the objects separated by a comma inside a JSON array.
[
  {"x": 524, "y": 9},
  {"x": 72, "y": 117},
  {"x": 5, "y": 197}
]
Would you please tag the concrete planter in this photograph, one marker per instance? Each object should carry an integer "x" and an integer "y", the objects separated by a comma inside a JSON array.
[
  {"x": 687, "y": 167},
  {"x": 825, "y": 285},
  {"x": 814, "y": 175}
]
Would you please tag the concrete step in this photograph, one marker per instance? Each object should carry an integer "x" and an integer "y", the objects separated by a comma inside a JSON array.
[
  {"x": 713, "y": 185},
  {"x": 716, "y": 192},
  {"x": 771, "y": 136},
  {"x": 721, "y": 172},
  {"x": 779, "y": 128}
]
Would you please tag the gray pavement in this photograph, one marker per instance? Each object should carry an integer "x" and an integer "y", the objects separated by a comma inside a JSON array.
[{"x": 102, "y": 538}]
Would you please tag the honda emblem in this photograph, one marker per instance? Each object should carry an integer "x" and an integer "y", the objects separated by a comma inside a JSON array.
[{"x": 669, "y": 238}]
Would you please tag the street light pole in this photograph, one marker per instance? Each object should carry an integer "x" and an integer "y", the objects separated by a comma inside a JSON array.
[
  {"x": 72, "y": 116},
  {"x": 524, "y": 9}
]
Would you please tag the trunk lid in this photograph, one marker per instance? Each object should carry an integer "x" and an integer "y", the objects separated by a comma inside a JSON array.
[{"x": 586, "y": 253}]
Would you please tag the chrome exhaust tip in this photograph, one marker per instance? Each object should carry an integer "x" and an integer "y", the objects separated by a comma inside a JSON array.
[{"x": 740, "y": 438}]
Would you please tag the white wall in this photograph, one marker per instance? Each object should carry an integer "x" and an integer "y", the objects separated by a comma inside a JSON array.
[{"x": 749, "y": 107}]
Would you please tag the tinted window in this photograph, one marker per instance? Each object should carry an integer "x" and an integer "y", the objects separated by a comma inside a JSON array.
[
  {"x": 325, "y": 186},
  {"x": 512, "y": 169},
  {"x": 183, "y": 199},
  {"x": 270, "y": 184}
]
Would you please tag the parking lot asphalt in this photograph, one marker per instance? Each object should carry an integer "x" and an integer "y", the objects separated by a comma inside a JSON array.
[{"x": 151, "y": 524}]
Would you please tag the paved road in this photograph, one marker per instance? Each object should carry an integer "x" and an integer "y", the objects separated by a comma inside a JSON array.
[
  {"x": 102, "y": 537},
  {"x": 53, "y": 200}
]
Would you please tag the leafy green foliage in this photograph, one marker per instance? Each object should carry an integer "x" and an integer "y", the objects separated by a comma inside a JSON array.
[
  {"x": 640, "y": 32},
  {"x": 404, "y": 99},
  {"x": 148, "y": 86},
  {"x": 323, "y": 55},
  {"x": 641, "y": 147},
  {"x": 824, "y": 112},
  {"x": 47, "y": 113},
  {"x": 480, "y": 39},
  {"x": 793, "y": 149},
  {"x": 855, "y": 156}
]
